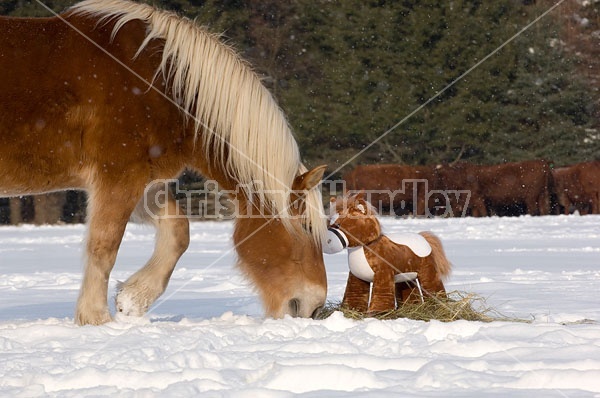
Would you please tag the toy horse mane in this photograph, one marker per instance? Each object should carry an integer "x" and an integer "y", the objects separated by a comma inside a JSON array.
[{"x": 240, "y": 124}]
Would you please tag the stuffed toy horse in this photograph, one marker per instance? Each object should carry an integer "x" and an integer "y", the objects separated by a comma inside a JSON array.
[{"x": 392, "y": 263}]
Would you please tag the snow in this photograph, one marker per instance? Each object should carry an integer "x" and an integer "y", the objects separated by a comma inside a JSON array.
[{"x": 207, "y": 335}]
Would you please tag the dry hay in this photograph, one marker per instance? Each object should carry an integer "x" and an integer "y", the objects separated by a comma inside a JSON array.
[{"x": 446, "y": 308}]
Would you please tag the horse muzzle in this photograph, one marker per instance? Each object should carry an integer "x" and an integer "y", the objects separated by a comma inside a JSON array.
[{"x": 335, "y": 241}]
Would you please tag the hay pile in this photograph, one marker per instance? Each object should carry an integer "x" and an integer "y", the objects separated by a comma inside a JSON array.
[{"x": 446, "y": 308}]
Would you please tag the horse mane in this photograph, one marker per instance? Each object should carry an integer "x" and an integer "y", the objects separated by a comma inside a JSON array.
[{"x": 242, "y": 126}]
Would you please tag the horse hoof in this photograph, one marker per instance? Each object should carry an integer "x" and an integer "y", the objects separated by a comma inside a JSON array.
[
  {"x": 128, "y": 303},
  {"x": 96, "y": 318}
]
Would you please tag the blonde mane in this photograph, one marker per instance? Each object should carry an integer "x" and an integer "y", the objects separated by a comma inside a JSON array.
[{"x": 241, "y": 123}]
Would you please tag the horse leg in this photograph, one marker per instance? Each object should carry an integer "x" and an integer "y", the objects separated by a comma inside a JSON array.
[
  {"x": 403, "y": 292},
  {"x": 383, "y": 296},
  {"x": 109, "y": 210},
  {"x": 135, "y": 295},
  {"x": 430, "y": 278},
  {"x": 356, "y": 295},
  {"x": 544, "y": 203},
  {"x": 478, "y": 207}
]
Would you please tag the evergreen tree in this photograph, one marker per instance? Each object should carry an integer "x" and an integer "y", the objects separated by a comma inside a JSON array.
[{"x": 31, "y": 8}]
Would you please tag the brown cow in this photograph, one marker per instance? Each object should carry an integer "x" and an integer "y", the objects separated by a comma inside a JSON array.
[
  {"x": 522, "y": 184},
  {"x": 393, "y": 187},
  {"x": 577, "y": 187},
  {"x": 460, "y": 183}
]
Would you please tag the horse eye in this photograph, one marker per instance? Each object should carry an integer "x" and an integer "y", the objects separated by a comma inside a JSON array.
[
  {"x": 305, "y": 227},
  {"x": 296, "y": 204}
]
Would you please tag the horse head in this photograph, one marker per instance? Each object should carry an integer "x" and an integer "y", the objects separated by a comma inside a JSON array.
[
  {"x": 285, "y": 266},
  {"x": 356, "y": 218}
]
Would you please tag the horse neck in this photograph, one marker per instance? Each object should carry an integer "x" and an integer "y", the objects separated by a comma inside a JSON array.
[
  {"x": 365, "y": 232},
  {"x": 256, "y": 228},
  {"x": 249, "y": 201}
]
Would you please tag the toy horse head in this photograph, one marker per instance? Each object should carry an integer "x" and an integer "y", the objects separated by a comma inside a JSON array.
[{"x": 352, "y": 222}]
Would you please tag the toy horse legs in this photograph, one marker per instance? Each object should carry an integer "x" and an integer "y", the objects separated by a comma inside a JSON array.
[
  {"x": 430, "y": 270},
  {"x": 383, "y": 297},
  {"x": 109, "y": 208},
  {"x": 357, "y": 293},
  {"x": 135, "y": 295},
  {"x": 408, "y": 292}
]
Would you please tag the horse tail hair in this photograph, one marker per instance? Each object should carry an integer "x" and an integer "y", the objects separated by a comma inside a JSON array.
[{"x": 442, "y": 265}]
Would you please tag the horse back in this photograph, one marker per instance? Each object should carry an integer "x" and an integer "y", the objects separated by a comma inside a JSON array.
[
  {"x": 77, "y": 103},
  {"x": 386, "y": 254}
]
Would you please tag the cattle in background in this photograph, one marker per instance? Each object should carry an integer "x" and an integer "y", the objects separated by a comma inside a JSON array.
[
  {"x": 577, "y": 187},
  {"x": 518, "y": 187},
  {"x": 50, "y": 208},
  {"x": 458, "y": 179},
  {"x": 393, "y": 188},
  {"x": 503, "y": 189}
]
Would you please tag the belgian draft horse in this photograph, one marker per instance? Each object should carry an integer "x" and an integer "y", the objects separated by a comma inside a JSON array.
[
  {"x": 357, "y": 219},
  {"x": 111, "y": 96}
]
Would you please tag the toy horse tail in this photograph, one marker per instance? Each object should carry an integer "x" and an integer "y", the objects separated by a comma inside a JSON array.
[{"x": 442, "y": 265}]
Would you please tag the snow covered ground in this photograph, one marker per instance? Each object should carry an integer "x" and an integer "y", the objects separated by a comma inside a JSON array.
[{"x": 207, "y": 337}]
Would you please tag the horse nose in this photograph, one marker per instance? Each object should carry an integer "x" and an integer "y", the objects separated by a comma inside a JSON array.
[
  {"x": 294, "y": 306},
  {"x": 315, "y": 314},
  {"x": 304, "y": 309}
]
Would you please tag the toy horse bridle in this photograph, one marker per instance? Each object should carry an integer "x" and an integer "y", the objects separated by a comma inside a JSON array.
[{"x": 334, "y": 234}]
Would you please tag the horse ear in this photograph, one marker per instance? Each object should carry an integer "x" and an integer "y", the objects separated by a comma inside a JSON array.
[
  {"x": 361, "y": 203},
  {"x": 360, "y": 195},
  {"x": 361, "y": 207},
  {"x": 310, "y": 179}
]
